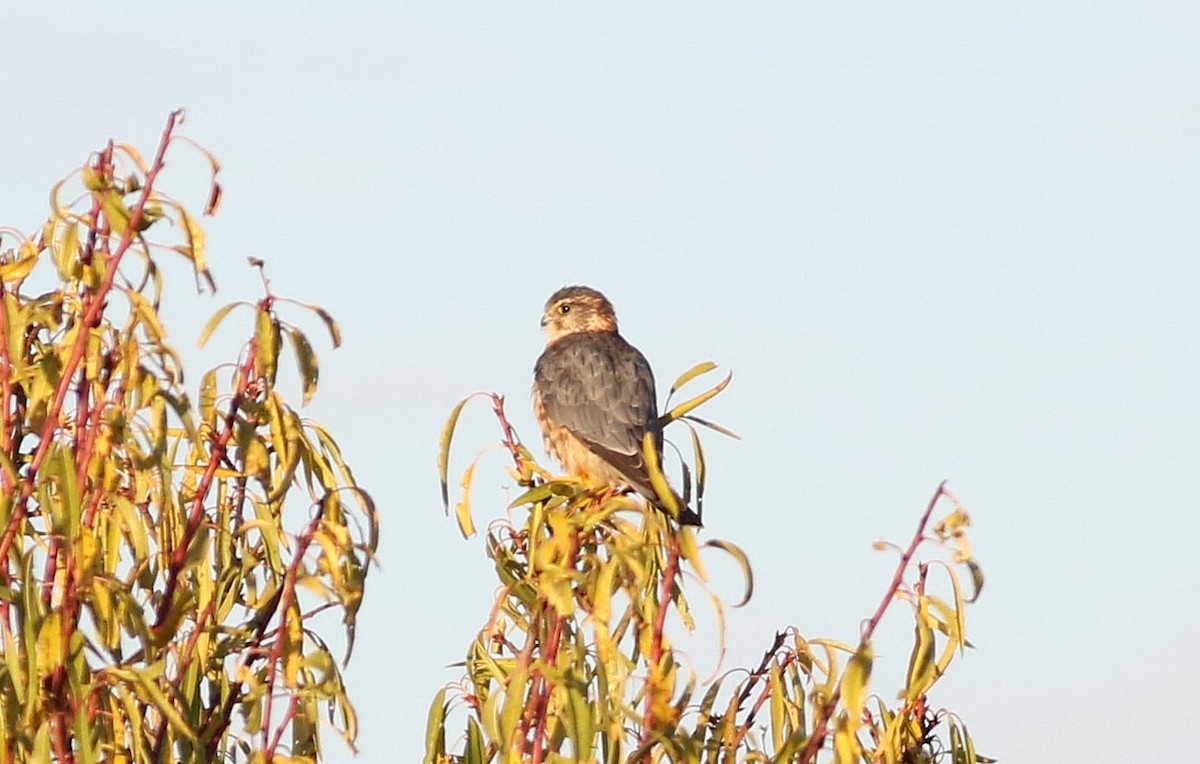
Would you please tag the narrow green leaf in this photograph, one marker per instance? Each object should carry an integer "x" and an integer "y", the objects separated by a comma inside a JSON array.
[
  {"x": 148, "y": 316},
  {"x": 16, "y": 270},
  {"x": 66, "y": 252},
  {"x": 476, "y": 750},
  {"x": 41, "y": 743},
  {"x": 514, "y": 705},
  {"x": 690, "y": 374},
  {"x": 701, "y": 469},
  {"x": 976, "y": 579},
  {"x": 197, "y": 550},
  {"x": 538, "y": 493},
  {"x": 208, "y": 398},
  {"x": 335, "y": 334},
  {"x": 115, "y": 211},
  {"x": 602, "y": 594},
  {"x": 148, "y": 690},
  {"x": 779, "y": 721},
  {"x": 462, "y": 510},
  {"x": 84, "y": 732},
  {"x": 687, "y": 406},
  {"x": 960, "y": 618},
  {"x": 581, "y": 728},
  {"x": 735, "y": 551},
  {"x": 958, "y": 752},
  {"x": 921, "y": 666},
  {"x": 306, "y": 360},
  {"x": 216, "y": 320},
  {"x": 50, "y": 654},
  {"x": 267, "y": 333},
  {"x": 443, "y": 461},
  {"x": 707, "y": 702},
  {"x": 435, "y": 730},
  {"x": 713, "y": 426},
  {"x": 659, "y": 481},
  {"x": 854, "y": 681},
  {"x": 195, "y": 247}
]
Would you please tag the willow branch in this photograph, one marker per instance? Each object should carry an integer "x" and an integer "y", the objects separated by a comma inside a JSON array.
[{"x": 821, "y": 728}]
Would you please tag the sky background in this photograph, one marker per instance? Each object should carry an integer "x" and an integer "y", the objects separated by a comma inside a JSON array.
[{"x": 932, "y": 240}]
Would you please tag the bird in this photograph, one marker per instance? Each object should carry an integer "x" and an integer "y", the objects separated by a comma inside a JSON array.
[{"x": 594, "y": 397}]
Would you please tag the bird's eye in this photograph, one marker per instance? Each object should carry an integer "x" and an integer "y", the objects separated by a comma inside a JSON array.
[{"x": 564, "y": 310}]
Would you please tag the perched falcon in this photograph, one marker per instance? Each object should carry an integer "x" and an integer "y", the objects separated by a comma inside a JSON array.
[{"x": 593, "y": 395}]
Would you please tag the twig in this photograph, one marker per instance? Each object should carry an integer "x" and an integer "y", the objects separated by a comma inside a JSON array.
[
  {"x": 763, "y": 667},
  {"x": 5, "y": 392},
  {"x": 288, "y": 716},
  {"x": 196, "y": 514},
  {"x": 524, "y": 659},
  {"x": 285, "y": 604},
  {"x": 91, "y": 317},
  {"x": 905, "y": 559},
  {"x": 510, "y": 441},
  {"x": 542, "y": 703},
  {"x": 656, "y": 637},
  {"x": 821, "y": 727}
]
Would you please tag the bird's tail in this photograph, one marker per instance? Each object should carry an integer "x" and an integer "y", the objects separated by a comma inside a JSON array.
[{"x": 688, "y": 517}]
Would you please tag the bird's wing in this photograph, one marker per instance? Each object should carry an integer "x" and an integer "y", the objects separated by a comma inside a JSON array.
[{"x": 601, "y": 388}]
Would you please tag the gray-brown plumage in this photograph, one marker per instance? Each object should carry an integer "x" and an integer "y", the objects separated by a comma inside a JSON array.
[{"x": 593, "y": 395}]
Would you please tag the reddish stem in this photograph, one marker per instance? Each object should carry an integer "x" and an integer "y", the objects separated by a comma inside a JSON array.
[
  {"x": 196, "y": 514},
  {"x": 91, "y": 318},
  {"x": 821, "y": 728},
  {"x": 284, "y": 604},
  {"x": 542, "y": 703},
  {"x": 510, "y": 441},
  {"x": 763, "y": 667},
  {"x": 656, "y": 638}
]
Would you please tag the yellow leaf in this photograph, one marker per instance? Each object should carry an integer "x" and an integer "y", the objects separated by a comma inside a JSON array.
[
  {"x": 690, "y": 374},
  {"x": 690, "y": 552},
  {"x": 258, "y": 461},
  {"x": 216, "y": 320},
  {"x": 267, "y": 334},
  {"x": 659, "y": 481},
  {"x": 510, "y": 712},
  {"x": 194, "y": 250},
  {"x": 115, "y": 211},
  {"x": 292, "y": 646},
  {"x": 921, "y": 666},
  {"x": 687, "y": 406},
  {"x": 846, "y": 747},
  {"x": 306, "y": 360},
  {"x": 50, "y": 644},
  {"x": 462, "y": 512},
  {"x": 602, "y": 597},
  {"x": 435, "y": 729},
  {"x": 854, "y": 681},
  {"x": 443, "y": 460},
  {"x": 19, "y": 268},
  {"x": 67, "y": 250}
]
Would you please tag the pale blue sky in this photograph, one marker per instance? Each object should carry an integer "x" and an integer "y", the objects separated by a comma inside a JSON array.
[{"x": 932, "y": 240}]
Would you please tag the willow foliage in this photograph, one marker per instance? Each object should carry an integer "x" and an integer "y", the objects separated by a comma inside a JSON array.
[
  {"x": 165, "y": 562},
  {"x": 574, "y": 662}
]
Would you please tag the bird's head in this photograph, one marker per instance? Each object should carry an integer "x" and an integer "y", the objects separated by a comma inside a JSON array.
[{"x": 577, "y": 309}]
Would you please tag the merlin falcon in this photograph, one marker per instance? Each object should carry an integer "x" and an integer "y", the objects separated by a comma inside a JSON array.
[{"x": 593, "y": 396}]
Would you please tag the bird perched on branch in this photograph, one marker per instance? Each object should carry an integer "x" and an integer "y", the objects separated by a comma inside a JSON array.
[{"x": 593, "y": 396}]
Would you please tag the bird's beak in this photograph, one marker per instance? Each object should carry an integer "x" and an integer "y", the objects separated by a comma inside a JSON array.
[{"x": 544, "y": 321}]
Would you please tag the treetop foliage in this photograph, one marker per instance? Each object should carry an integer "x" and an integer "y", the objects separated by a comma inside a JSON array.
[
  {"x": 165, "y": 562},
  {"x": 575, "y": 661}
]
